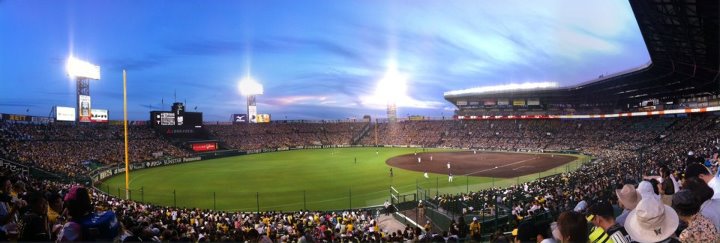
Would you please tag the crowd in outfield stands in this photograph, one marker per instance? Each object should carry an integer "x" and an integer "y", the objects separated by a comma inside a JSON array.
[
  {"x": 278, "y": 135},
  {"x": 653, "y": 180},
  {"x": 64, "y": 148}
]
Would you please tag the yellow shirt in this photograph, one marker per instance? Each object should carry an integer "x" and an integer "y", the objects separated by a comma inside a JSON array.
[
  {"x": 266, "y": 220},
  {"x": 598, "y": 235},
  {"x": 52, "y": 216},
  {"x": 474, "y": 228}
]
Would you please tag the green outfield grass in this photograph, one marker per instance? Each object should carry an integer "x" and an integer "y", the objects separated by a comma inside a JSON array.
[{"x": 315, "y": 179}]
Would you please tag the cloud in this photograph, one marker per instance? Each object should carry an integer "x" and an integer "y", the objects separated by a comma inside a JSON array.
[
  {"x": 136, "y": 64},
  {"x": 207, "y": 47},
  {"x": 380, "y": 103},
  {"x": 296, "y": 100}
]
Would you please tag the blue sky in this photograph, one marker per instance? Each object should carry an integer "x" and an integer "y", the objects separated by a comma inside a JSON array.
[{"x": 317, "y": 59}]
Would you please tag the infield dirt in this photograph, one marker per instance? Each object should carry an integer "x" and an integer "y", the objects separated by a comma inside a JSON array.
[{"x": 486, "y": 164}]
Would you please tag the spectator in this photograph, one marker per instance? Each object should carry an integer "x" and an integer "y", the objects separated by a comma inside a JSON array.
[
  {"x": 603, "y": 216},
  {"x": 85, "y": 224},
  {"x": 526, "y": 232},
  {"x": 462, "y": 228},
  {"x": 700, "y": 171},
  {"x": 699, "y": 229},
  {"x": 652, "y": 221},
  {"x": 710, "y": 208},
  {"x": 34, "y": 225},
  {"x": 628, "y": 199},
  {"x": 475, "y": 232},
  {"x": 666, "y": 186},
  {"x": 572, "y": 227},
  {"x": 9, "y": 206}
]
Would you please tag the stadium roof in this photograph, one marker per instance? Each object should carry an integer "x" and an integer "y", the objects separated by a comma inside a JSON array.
[{"x": 682, "y": 39}]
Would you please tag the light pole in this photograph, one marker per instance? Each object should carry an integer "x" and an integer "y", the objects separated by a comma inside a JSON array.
[
  {"x": 82, "y": 72},
  {"x": 250, "y": 88}
]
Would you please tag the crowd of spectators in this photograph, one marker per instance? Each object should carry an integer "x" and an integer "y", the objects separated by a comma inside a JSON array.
[
  {"x": 552, "y": 134},
  {"x": 70, "y": 149},
  {"x": 285, "y": 135},
  {"x": 34, "y": 210},
  {"x": 647, "y": 168},
  {"x": 675, "y": 158}
]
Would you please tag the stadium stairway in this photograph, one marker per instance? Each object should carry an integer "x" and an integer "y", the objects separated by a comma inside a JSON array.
[
  {"x": 389, "y": 223},
  {"x": 363, "y": 132}
]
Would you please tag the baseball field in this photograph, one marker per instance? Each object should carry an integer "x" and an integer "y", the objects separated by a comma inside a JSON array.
[{"x": 326, "y": 179}]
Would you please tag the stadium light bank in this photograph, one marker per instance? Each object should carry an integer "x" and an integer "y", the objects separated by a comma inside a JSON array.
[
  {"x": 249, "y": 87},
  {"x": 504, "y": 87},
  {"x": 77, "y": 68}
]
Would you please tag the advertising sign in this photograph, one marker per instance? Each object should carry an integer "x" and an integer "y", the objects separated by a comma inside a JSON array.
[
  {"x": 202, "y": 147},
  {"x": 519, "y": 102},
  {"x": 99, "y": 115},
  {"x": 263, "y": 118},
  {"x": 239, "y": 118},
  {"x": 252, "y": 113},
  {"x": 84, "y": 114},
  {"x": 64, "y": 113},
  {"x": 533, "y": 101}
]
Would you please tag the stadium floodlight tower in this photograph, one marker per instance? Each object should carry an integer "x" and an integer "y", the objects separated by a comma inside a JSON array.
[
  {"x": 392, "y": 88},
  {"x": 250, "y": 88},
  {"x": 82, "y": 72}
]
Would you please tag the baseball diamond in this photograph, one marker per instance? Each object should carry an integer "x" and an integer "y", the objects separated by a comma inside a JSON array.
[{"x": 487, "y": 164}]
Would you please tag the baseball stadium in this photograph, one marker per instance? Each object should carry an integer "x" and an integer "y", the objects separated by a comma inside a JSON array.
[{"x": 550, "y": 121}]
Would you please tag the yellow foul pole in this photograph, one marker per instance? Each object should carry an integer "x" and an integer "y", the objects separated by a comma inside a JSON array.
[{"x": 127, "y": 169}]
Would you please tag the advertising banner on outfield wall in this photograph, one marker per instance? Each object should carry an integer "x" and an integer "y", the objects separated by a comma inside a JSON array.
[
  {"x": 204, "y": 147},
  {"x": 64, "y": 113},
  {"x": 489, "y": 102},
  {"x": 99, "y": 115},
  {"x": 84, "y": 113},
  {"x": 519, "y": 102},
  {"x": 503, "y": 102}
]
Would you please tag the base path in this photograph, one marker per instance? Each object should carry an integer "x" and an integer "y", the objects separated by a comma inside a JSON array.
[{"x": 467, "y": 163}]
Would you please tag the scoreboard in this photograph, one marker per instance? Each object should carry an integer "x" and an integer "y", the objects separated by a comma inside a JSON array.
[
  {"x": 173, "y": 119},
  {"x": 177, "y": 118}
]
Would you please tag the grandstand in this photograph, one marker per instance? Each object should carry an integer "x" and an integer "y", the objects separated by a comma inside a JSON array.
[
  {"x": 683, "y": 72},
  {"x": 655, "y": 124}
]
